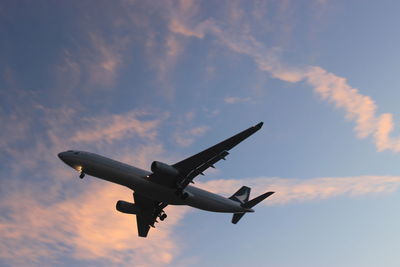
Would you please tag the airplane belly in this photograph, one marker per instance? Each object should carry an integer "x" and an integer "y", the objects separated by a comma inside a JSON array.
[
  {"x": 215, "y": 206},
  {"x": 208, "y": 201}
]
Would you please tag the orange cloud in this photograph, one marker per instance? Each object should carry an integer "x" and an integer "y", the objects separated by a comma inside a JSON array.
[
  {"x": 85, "y": 225},
  {"x": 40, "y": 228}
]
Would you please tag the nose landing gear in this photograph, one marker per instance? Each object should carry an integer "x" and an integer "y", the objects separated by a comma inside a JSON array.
[{"x": 81, "y": 175}]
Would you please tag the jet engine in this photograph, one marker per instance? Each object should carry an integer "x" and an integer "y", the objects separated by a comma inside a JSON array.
[
  {"x": 126, "y": 207},
  {"x": 163, "y": 169}
]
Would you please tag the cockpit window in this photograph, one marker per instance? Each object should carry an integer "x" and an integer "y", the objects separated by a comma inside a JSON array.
[{"x": 76, "y": 153}]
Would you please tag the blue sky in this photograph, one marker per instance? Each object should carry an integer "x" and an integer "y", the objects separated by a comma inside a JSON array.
[{"x": 143, "y": 81}]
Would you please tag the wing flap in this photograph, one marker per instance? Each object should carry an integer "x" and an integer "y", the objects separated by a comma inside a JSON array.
[
  {"x": 147, "y": 215},
  {"x": 199, "y": 170}
]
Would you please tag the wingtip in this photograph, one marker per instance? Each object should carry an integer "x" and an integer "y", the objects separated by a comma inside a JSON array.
[{"x": 258, "y": 126}]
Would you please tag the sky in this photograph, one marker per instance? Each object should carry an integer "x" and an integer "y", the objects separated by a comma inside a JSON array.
[{"x": 139, "y": 81}]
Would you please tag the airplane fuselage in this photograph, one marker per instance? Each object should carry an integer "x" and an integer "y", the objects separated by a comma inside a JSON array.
[{"x": 137, "y": 180}]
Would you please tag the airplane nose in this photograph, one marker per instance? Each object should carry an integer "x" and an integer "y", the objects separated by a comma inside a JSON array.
[{"x": 61, "y": 155}]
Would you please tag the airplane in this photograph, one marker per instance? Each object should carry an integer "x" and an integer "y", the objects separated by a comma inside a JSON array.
[{"x": 167, "y": 184}]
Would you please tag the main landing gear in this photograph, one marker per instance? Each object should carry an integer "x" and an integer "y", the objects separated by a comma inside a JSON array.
[
  {"x": 162, "y": 215},
  {"x": 160, "y": 211}
]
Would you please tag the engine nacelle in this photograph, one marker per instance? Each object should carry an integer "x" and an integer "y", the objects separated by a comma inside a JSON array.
[
  {"x": 126, "y": 207},
  {"x": 163, "y": 169}
]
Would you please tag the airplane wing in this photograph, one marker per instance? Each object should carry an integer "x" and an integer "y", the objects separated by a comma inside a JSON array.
[
  {"x": 147, "y": 216},
  {"x": 193, "y": 166}
]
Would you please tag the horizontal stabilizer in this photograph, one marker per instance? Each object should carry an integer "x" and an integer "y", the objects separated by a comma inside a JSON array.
[{"x": 256, "y": 200}]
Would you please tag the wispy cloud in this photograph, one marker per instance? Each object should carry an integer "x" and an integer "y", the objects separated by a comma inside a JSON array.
[
  {"x": 359, "y": 108},
  {"x": 94, "y": 64},
  {"x": 115, "y": 127},
  {"x": 86, "y": 226},
  {"x": 235, "y": 99},
  {"x": 187, "y": 137},
  {"x": 300, "y": 190}
]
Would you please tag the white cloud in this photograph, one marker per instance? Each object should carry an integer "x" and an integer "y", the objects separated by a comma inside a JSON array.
[{"x": 359, "y": 108}]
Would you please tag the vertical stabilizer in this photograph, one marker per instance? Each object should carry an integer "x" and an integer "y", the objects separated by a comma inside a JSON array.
[{"x": 242, "y": 195}]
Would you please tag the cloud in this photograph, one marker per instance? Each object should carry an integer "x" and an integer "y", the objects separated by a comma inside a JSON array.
[
  {"x": 300, "y": 190},
  {"x": 49, "y": 216},
  {"x": 235, "y": 99},
  {"x": 115, "y": 127},
  {"x": 94, "y": 64},
  {"x": 177, "y": 26},
  {"x": 86, "y": 226},
  {"x": 358, "y": 108},
  {"x": 187, "y": 137}
]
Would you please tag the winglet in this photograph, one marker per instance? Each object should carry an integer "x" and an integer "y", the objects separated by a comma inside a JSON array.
[{"x": 259, "y": 125}]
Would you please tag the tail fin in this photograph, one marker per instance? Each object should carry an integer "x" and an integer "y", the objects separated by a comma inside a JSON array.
[{"x": 242, "y": 196}]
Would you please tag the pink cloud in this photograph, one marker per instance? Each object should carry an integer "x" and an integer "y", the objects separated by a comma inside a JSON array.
[
  {"x": 94, "y": 66},
  {"x": 177, "y": 26},
  {"x": 185, "y": 138},
  {"x": 114, "y": 127},
  {"x": 299, "y": 190},
  {"x": 86, "y": 226}
]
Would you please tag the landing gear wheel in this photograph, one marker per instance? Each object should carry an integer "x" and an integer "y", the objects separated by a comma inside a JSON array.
[
  {"x": 163, "y": 217},
  {"x": 82, "y": 175}
]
